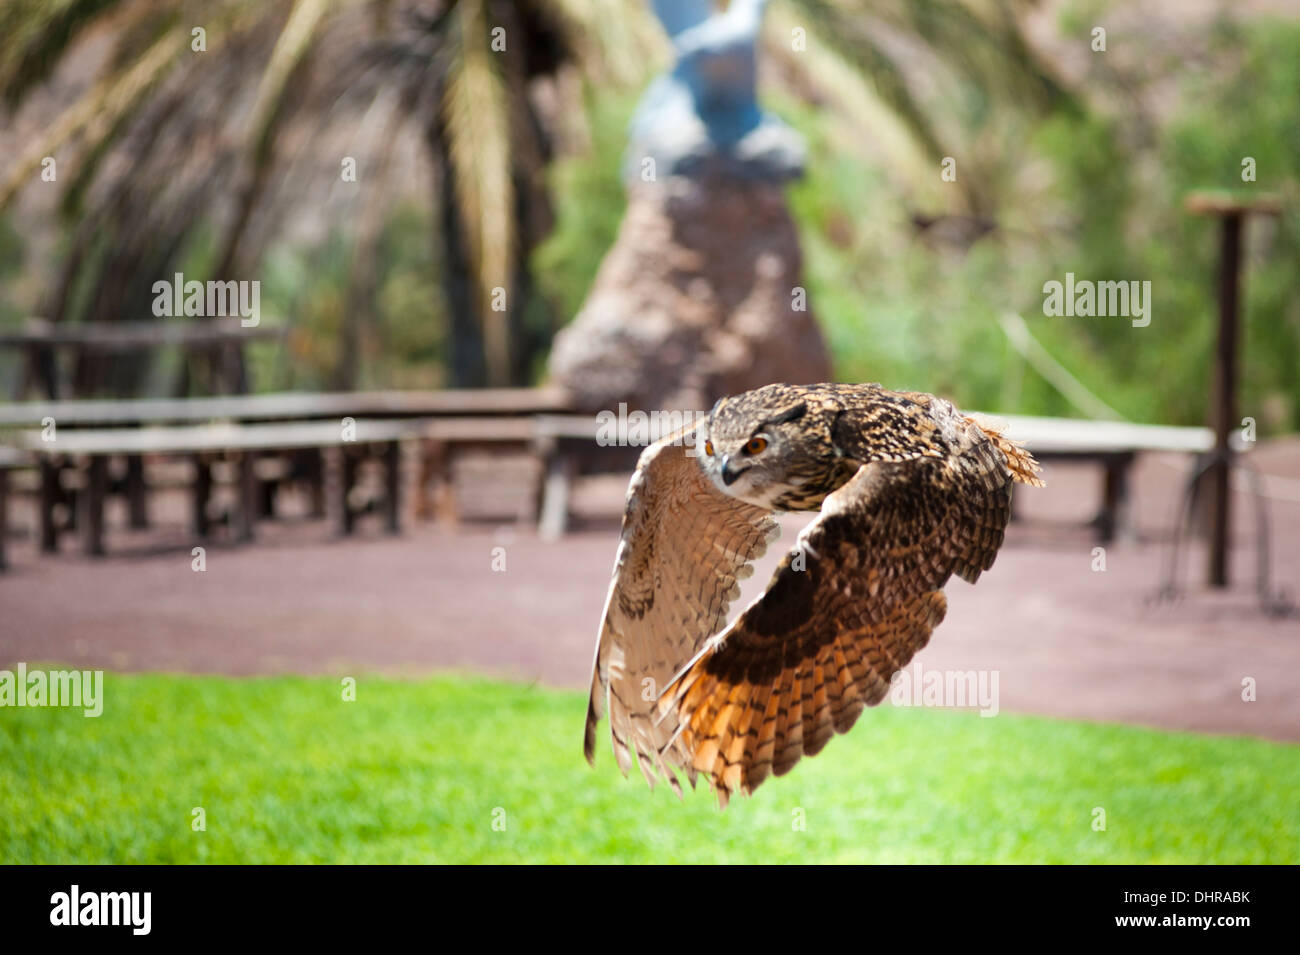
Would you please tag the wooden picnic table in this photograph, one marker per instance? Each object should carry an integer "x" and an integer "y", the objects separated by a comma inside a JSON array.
[
  {"x": 1115, "y": 445},
  {"x": 507, "y": 405},
  {"x": 91, "y": 448},
  {"x": 1055, "y": 437},
  {"x": 285, "y": 405},
  {"x": 202, "y": 442}
]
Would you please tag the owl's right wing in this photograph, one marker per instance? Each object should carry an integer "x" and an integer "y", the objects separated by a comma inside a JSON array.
[
  {"x": 846, "y": 610},
  {"x": 684, "y": 546}
]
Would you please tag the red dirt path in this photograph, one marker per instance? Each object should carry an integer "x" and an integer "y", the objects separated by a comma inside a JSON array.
[{"x": 1065, "y": 640}]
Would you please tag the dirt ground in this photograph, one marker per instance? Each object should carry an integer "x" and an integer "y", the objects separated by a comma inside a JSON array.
[{"x": 1064, "y": 639}]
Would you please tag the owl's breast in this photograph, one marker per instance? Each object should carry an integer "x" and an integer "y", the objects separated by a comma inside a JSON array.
[{"x": 807, "y": 492}]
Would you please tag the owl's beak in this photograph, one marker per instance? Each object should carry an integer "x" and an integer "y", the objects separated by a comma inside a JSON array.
[{"x": 728, "y": 474}]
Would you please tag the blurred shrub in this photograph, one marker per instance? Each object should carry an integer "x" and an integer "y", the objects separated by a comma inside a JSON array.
[{"x": 589, "y": 203}]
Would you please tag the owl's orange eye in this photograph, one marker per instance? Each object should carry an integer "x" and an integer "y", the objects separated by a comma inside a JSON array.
[
  {"x": 708, "y": 448},
  {"x": 755, "y": 445}
]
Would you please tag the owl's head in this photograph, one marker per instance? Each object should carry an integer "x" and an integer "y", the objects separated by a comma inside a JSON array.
[{"x": 761, "y": 446}]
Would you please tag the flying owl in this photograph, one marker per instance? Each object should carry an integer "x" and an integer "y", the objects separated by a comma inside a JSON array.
[{"x": 910, "y": 491}]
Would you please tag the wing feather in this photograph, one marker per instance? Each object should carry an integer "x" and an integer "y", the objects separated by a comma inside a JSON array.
[{"x": 682, "y": 549}]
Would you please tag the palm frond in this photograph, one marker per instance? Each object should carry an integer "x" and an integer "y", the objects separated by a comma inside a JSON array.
[
  {"x": 850, "y": 38},
  {"x": 95, "y": 114},
  {"x": 476, "y": 117},
  {"x": 37, "y": 33},
  {"x": 983, "y": 43},
  {"x": 979, "y": 41},
  {"x": 832, "y": 79},
  {"x": 615, "y": 39},
  {"x": 291, "y": 48}
]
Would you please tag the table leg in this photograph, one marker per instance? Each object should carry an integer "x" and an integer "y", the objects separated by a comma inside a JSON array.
[
  {"x": 136, "y": 493},
  {"x": 316, "y": 480},
  {"x": 49, "y": 497},
  {"x": 436, "y": 469},
  {"x": 560, "y": 472},
  {"x": 1114, "y": 517},
  {"x": 48, "y": 370},
  {"x": 266, "y": 495},
  {"x": 202, "y": 494},
  {"x": 347, "y": 478},
  {"x": 249, "y": 499},
  {"x": 92, "y": 504},
  {"x": 393, "y": 484}
]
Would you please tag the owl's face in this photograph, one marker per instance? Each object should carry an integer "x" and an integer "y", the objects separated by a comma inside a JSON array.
[{"x": 762, "y": 451}]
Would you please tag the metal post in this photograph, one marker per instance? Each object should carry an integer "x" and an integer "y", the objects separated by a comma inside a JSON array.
[{"x": 1224, "y": 396}]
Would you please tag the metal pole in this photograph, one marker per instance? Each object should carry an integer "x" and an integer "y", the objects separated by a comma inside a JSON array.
[{"x": 1224, "y": 413}]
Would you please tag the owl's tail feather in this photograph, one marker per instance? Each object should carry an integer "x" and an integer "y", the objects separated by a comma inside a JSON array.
[{"x": 1020, "y": 462}]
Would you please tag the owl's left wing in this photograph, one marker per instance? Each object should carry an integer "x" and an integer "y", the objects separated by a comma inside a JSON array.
[
  {"x": 683, "y": 547},
  {"x": 848, "y": 607}
]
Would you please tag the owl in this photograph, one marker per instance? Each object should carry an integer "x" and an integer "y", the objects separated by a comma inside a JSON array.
[{"x": 910, "y": 491}]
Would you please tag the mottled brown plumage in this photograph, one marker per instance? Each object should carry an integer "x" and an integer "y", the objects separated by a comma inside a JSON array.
[{"x": 910, "y": 490}]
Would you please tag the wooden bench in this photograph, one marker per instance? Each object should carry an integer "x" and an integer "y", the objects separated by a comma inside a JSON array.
[
  {"x": 220, "y": 338},
  {"x": 568, "y": 446},
  {"x": 203, "y": 443},
  {"x": 448, "y": 439},
  {"x": 1115, "y": 445}
]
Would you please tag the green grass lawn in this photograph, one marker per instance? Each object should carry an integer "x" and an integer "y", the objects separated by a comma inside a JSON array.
[{"x": 417, "y": 771}]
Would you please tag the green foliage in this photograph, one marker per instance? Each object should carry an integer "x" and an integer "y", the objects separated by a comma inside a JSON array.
[
  {"x": 1252, "y": 112},
  {"x": 11, "y": 313},
  {"x": 411, "y": 330},
  {"x": 414, "y": 772},
  {"x": 401, "y": 331},
  {"x": 589, "y": 202},
  {"x": 309, "y": 288},
  {"x": 11, "y": 262},
  {"x": 1131, "y": 222}
]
